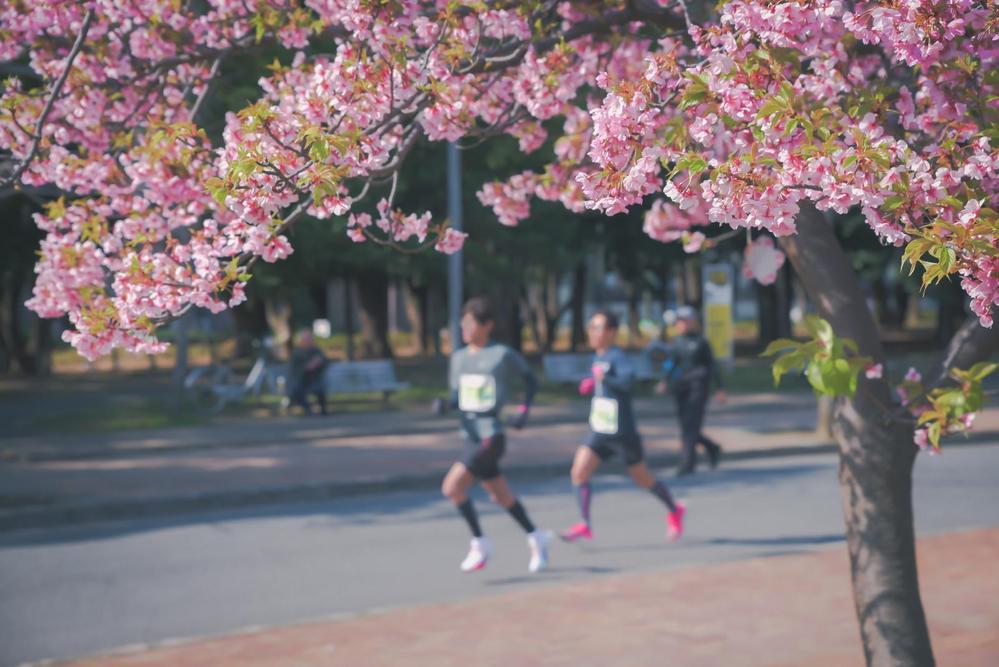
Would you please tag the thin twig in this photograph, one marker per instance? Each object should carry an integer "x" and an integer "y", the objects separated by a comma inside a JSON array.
[
  {"x": 395, "y": 182},
  {"x": 77, "y": 46},
  {"x": 208, "y": 84}
]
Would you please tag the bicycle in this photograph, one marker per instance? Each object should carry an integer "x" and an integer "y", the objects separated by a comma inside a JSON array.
[{"x": 212, "y": 387}]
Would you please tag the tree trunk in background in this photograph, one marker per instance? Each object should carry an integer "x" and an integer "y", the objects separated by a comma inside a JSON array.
[
  {"x": 681, "y": 284},
  {"x": 766, "y": 302},
  {"x": 372, "y": 292},
  {"x": 348, "y": 315},
  {"x": 774, "y": 308},
  {"x": 553, "y": 310},
  {"x": 317, "y": 292},
  {"x": 505, "y": 298},
  {"x": 24, "y": 337},
  {"x": 418, "y": 312},
  {"x": 437, "y": 306},
  {"x": 12, "y": 339},
  {"x": 180, "y": 328},
  {"x": 250, "y": 323},
  {"x": 43, "y": 346},
  {"x": 951, "y": 313},
  {"x": 692, "y": 267},
  {"x": 577, "y": 303},
  {"x": 25, "y": 343},
  {"x": 553, "y": 313},
  {"x": 544, "y": 311},
  {"x": 533, "y": 325},
  {"x": 876, "y": 459},
  {"x": 634, "y": 317}
]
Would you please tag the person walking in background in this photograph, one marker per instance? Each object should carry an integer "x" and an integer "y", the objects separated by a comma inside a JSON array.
[
  {"x": 613, "y": 430},
  {"x": 305, "y": 373},
  {"x": 479, "y": 379},
  {"x": 689, "y": 370}
]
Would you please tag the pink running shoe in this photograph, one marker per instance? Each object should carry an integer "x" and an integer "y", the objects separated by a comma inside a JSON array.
[
  {"x": 674, "y": 522},
  {"x": 580, "y": 531}
]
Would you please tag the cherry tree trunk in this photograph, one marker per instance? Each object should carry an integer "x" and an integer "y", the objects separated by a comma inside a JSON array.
[{"x": 876, "y": 456}]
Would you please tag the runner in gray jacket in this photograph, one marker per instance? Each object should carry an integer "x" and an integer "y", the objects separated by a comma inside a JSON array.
[{"x": 479, "y": 379}]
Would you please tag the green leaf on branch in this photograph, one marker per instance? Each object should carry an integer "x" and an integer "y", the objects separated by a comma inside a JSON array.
[
  {"x": 787, "y": 363},
  {"x": 831, "y": 364},
  {"x": 769, "y": 108},
  {"x": 778, "y": 345},
  {"x": 981, "y": 370},
  {"x": 820, "y": 330}
]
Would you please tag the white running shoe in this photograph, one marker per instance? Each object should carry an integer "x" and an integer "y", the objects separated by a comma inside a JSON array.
[
  {"x": 478, "y": 554},
  {"x": 538, "y": 543}
]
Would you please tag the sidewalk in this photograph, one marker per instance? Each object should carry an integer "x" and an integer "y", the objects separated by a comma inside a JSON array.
[
  {"x": 63, "y": 480},
  {"x": 697, "y": 616},
  {"x": 229, "y": 431}
]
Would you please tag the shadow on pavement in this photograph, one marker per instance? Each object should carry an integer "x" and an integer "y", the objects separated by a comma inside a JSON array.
[
  {"x": 802, "y": 540},
  {"x": 325, "y": 513}
]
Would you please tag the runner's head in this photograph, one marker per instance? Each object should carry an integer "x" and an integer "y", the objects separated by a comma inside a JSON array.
[
  {"x": 602, "y": 329},
  {"x": 477, "y": 321},
  {"x": 686, "y": 320},
  {"x": 304, "y": 339}
]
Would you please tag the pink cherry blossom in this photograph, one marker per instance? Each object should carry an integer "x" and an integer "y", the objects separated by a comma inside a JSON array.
[
  {"x": 874, "y": 371},
  {"x": 736, "y": 121},
  {"x": 762, "y": 260}
]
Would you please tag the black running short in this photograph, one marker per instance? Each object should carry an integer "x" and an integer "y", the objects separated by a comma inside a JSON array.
[
  {"x": 482, "y": 458},
  {"x": 627, "y": 445}
]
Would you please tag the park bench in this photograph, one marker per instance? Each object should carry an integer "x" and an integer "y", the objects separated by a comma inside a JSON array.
[
  {"x": 362, "y": 377},
  {"x": 644, "y": 367},
  {"x": 567, "y": 368}
]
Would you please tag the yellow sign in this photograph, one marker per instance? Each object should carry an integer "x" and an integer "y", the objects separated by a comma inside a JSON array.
[{"x": 719, "y": 328}]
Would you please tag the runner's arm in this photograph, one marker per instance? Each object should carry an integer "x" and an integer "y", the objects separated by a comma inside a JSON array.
[
  {"x": 622, "y": 375},
  {"x": 440, "y": 406}
]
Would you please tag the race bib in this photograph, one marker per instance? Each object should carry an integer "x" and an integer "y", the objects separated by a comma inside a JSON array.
[
  {"x": 603, "y": 416},
  {"x": 477, "y": 393}
]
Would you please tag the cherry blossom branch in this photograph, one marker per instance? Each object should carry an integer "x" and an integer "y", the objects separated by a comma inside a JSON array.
[
  {"x": 503, "y": 58},
  {"x": 389, "y": 243},
  {"x": 686, "y": 13},
  {"x": 56, "y": 89},
  {"x": 208, "y": 84}
]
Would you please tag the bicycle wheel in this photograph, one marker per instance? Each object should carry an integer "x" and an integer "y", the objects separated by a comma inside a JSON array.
[{"x": 199, "y": 384}]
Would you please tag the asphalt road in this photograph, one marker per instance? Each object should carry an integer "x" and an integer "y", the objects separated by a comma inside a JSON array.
[{"x": 72, "y": 592}]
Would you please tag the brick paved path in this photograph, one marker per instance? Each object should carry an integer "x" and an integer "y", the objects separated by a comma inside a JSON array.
[{"x": 783, "y": 611}]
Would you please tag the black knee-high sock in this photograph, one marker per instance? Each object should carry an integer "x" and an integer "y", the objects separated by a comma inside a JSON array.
[
  {"x": 660, "y": 491},
  {"x": 519, "y": 515},
  {"x": 467, "y": 510},
  {"x": 583, "y": 495}
]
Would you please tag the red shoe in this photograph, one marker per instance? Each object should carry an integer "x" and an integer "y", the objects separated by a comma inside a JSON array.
[
  {"x": 674, "y": 522},
  {"x": 580, "y": 531}
]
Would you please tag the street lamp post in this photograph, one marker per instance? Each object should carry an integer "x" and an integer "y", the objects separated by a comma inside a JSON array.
[{"x": 455, "y": 283}]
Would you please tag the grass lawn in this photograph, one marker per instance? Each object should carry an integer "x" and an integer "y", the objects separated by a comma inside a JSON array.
[{"x": 106, "y": 401}]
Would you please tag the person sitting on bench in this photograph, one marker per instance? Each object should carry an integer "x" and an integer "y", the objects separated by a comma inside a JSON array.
[{"x": 305, "y": 376}]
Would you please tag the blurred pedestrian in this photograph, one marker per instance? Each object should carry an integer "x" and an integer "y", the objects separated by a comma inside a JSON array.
[{"x": 688, "y": 372}]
